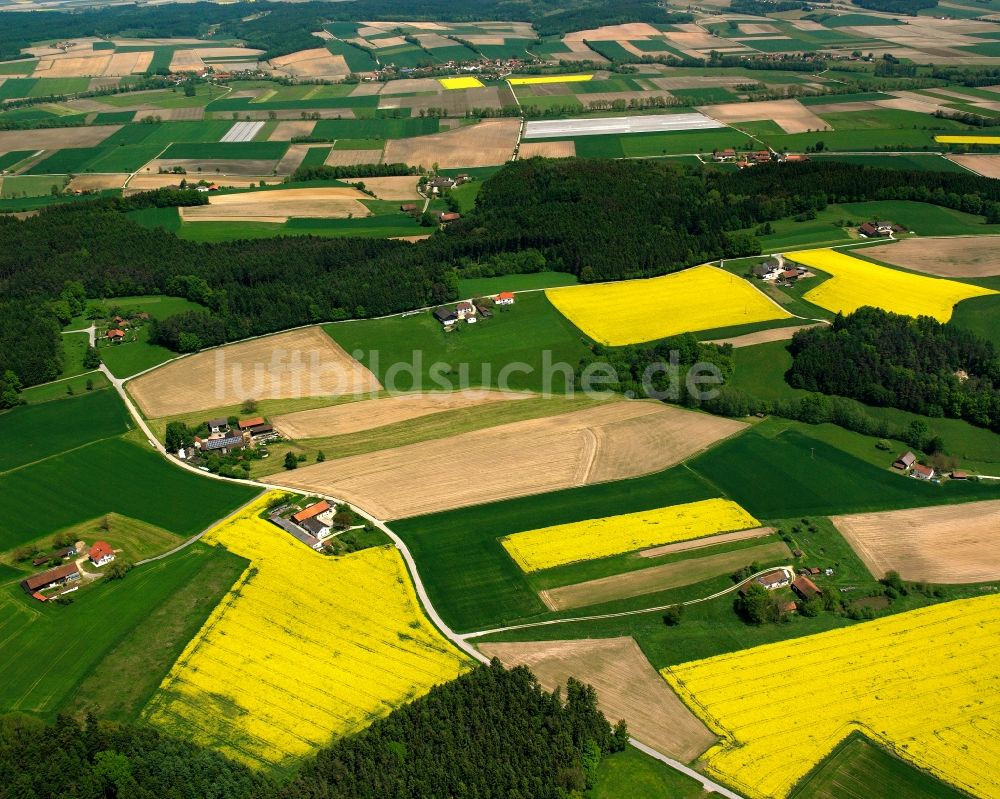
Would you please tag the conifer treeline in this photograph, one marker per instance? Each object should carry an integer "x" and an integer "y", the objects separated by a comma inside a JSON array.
[{"x": 491, "y": 734}]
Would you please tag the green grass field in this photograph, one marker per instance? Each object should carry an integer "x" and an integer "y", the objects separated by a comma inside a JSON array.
[
  {"x": 649, "y": 145},
  {"x": 74, "y": 347},
  {"x": 920, "y": 162},
  {"x": 109, "y": 650},
  {"x": 375, "y": 128},
  {"x": 8, "y": 160},
  {"x": 64, "y": 389},
  {"x": 249, "y": 150},
  {"x": 980, "y": 315},
  {"x": 471, "y": 579},
  {"x": 33, "y": 432},
  {"x": 525, "y": 333},
  {"x": 860, "y": 769},
  {"x": 634, "y": 775},
  {"x": 110, "y": 475},
  {"x": 379, "y": 227},
  {"x": 814, "y": 477},
  {"x": 480, "y": 286}
]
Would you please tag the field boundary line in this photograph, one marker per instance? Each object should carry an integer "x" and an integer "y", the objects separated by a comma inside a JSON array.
[{"x": 707, "y": 784}]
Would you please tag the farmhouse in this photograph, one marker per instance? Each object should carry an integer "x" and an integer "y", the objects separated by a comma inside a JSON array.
[
  {"x": 446, "y": 316},
  {"x": 504, "y": 298},
  {"x": 464, "y": 310},
  {"x": 904, "y": 461},
  {"x": 777, "y": 578},
  {"x": 61, "y": 554},
  {"x": 788, "y": 607},
  {"x": 221, "y": 443},
  {"x": 805, "y": 588},
  {"x": 761, "y": 157},
  {"x": 50, "y": 578},
  {"x": 101, "y": 553},
  {"x": 261, "y": 432},
  {"x": 116, "y": 335},
  {"x": 879, "y": 228},
  {"x": 246, "y": 424},
  {"x": 218, "y": 425},
  {"x": 729, "y": 154},
  {"x": 408, "y": 208},
  {"x": 922, "y": 472},
  {"x": 311, "y": 511},
  {"x": 448, "y": 217}
]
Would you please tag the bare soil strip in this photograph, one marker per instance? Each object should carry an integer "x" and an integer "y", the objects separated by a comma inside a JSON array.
[
  {"x": 627, "y": 686},
  {"x": 954, "y": 544},
  {"x": 548, "y": 149},
  {"x": 300, "y": 363},
  {"x": 659, "y": 578},
  {"x": 56, "y": 138},
  {"x": 331, "y": 202},
  {"x": 393, "y": 188},
  {"x": 967, "y": 256},
  {"x": 700, "y": 543},
  {"x": 790, "y": 115},
  {"x": 761, "y": 336},
  {"x": 315, "y": 63},
  {"x": 370, "y": 414},
  {"x": 610, "y": 441}
]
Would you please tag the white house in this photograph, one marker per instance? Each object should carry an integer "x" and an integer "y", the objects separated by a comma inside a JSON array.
[
  {"x": 504, "y": 298},
  {"x": 465, "y": 310},
  {"x": 101, "y": 553}
]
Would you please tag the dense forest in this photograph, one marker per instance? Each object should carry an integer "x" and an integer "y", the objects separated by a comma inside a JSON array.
[
  {"x": 887, "y": 359},
  {"x": 492, "y": 733},
  {"x": 598, "y": 219},
  {"x": 910, "y": 7}
]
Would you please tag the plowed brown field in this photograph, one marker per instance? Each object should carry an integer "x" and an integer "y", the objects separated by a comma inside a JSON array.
[{"x": 487, "y": 143}]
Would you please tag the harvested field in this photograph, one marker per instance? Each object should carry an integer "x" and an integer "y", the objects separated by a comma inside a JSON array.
[
  {"x": 755, "y": 29},
  {"x": 367, "y": 89},
  {"x": 351, "y": 157},
  {"x": 403, "y": 187},
  {"x": 712, "y": 540},
  {"x": 936, "y": 545},
  {"x": 790, "y": 115},
  {"x": 410, "y": 85},
  {"x": 626, "y": 686},
  {"x": 548, "y": 149},
  {"x": 612, "y": 33},
  {"x": 488, "y": 143},
  {"x": 330, "y": 202},
  {"x": 147, "y": 182},
  {"x": 693, "y": 40},
  {"x": 293, "y": 156},
  {"x": 214, "y": 167},
  {"x": 56, "y": 138},
  {"x": 526, "y": 457},
  {"x": 98, "y": 182},
  {"x": 370, "y": 414},
  {"x": 660, "y": 578},
  {"x": 762, "y": 336},
  {"x": 965, "y": 256},
  {"x": 456, "y": 103},
  {"x": 284, "y": 131},
  {"x": 986, "y": 165},
  {"x": 911, "y": 101},
  {"x": 316, "y": 63},
  {"x": 300, "y": 363}
]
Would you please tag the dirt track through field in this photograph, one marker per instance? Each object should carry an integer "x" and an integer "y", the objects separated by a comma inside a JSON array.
[
  {"x": 659, "y": 578},
  {"x": 369, "y": 414},
  {"x": 611, "y": 441},
  {"x": 300, "y": 363},
  {"x": 947, "y": 544},
  {"x": 627, "y": 686},
  {"x": 709, "y": 541},
  {"x": 967, "y": 256},
  {"x": 487, "y": 143}
]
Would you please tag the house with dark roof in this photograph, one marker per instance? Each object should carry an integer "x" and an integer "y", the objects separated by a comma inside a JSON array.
[
  {"x": 51, "y": 578},
  {"x": 218, "y": 425},
  {"x": 805, "y": 588},
  {"x": 446, "y": 316},
  {"x": 904, "y": 461}
]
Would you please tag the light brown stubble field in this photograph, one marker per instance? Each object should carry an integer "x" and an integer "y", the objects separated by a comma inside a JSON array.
[
  {"x": 627, "y": 686},
  {"x": 946, "y": 544},
  {"x": 790, "y": 115},
  {"x": 299, "y": 363},
  {"x": 965, "y": 256},
  {"x": 614, "y": 440},
  {"x": 487, "y": 143}
]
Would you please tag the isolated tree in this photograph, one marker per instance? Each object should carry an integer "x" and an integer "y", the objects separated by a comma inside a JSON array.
[
  {"x": 320, "y": 456},
  {"x": 672, "y": 615},
  {"x": 291, "y": 462}
]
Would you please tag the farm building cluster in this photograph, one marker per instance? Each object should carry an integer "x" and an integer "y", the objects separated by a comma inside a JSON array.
[
  {"x": 471, "y": 311},
  {"x": 781, "y": 272},
  {"x": 908, "y": 464},
  {"x": 744, "y": 160},
  {"x": 62, "y": 579},
  {"x": 876, "y": 229},
  {"x": 119, "y": 327},
  {"x": 226, "y": 436},
  {"x": 314, "y": 525}
]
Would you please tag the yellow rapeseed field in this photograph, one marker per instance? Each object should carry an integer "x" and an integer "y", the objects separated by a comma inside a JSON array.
[
  {"x": 598, "y": 538},
  {"x": 633, "y": 311},
  {"x": 304, "y": 648},
  {"x": 549, "y": 79},
  {"x": 856, "y": 283},
  {"x": 923, "y": 683},
  {"x": 967, "y": 139},
  {"x": 461, "y": 83}
]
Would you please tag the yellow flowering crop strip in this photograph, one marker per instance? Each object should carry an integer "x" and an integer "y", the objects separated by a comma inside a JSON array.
[
  {"x": 304, "y": 648},
  {"x": 856, "y": 283},
  {"x": 923, "y": 684},
  {"x": 549, "y": 79},
  {"x": 633, "y": 311},
  {"x": 461, "y": 83},
  {"x": 967, "y": 139},
  {"x": 599, "y": 538}
]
